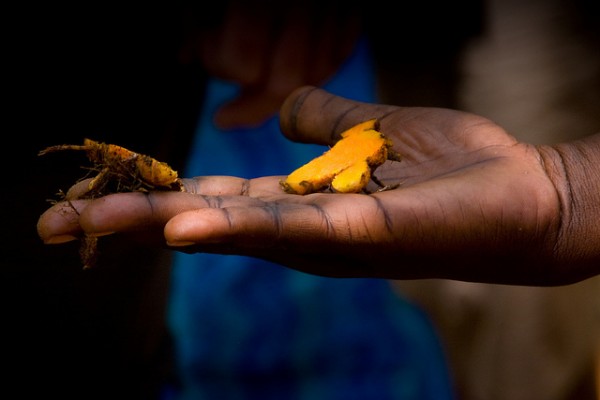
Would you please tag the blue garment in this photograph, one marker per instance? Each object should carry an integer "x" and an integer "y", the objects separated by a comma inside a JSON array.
[{"x": 247, "y": 329}]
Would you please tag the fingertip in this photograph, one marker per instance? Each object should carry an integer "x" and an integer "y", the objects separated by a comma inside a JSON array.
[
  {"x": 249, "y": 111},
  {"x": 78, "y": 190},
  {"x": 60, "y": 223},
  {"x": 58, "y": 239}
]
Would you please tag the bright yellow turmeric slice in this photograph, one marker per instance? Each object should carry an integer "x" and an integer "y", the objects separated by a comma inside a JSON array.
[{"x": 348, "y": 166}]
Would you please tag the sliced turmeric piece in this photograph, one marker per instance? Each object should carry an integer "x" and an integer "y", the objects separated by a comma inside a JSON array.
[{"x": 347, "y": 166}]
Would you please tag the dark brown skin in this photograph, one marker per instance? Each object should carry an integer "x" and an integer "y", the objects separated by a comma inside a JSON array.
[
  {"x": 474, "y": 204},
  {"x": 270, "y": 48}
]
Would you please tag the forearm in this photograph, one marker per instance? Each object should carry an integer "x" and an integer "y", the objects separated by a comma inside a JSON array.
[{"x": 574, "y": 168}]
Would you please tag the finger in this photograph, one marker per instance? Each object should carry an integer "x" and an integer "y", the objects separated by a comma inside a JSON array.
[
  {"x": 120, "y": 212},
  {"x": 215, "y": 185},
  {"x": 67, "y": 221},
  {"x": 233, "y": 186},
  {"x": 78, "y": 189},
  {"x": 335, "y": 35},
  {"x": 313, "y": 115},
  {"x": 332, "y": 235},
  {"x": 301, "y": 224},
  {"x": 135, "y": 211},
  {"x": 251, "y": 109},
  {"x": 237, "y": 49},
  {"x": 60, "y": 223}
]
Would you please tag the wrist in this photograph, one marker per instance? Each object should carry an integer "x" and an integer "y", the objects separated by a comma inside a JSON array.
[{"x": 574, "y": 169}]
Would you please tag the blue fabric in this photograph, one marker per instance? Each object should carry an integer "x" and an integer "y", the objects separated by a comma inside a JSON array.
[{"x": 247, "y": 329}]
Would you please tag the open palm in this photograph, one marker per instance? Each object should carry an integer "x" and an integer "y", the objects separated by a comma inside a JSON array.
[
  {"x": 470, "y": 197},
  {"x": 473, "y": 204}
]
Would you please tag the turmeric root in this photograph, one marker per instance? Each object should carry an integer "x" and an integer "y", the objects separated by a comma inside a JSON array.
[
  {"x": 119, "y": 170},
  {"x": 348, "y": 166},
  {"x": 122, "y": 170}
]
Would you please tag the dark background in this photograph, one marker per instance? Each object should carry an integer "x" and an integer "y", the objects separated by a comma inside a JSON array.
[{"x": 111, "y": 73}]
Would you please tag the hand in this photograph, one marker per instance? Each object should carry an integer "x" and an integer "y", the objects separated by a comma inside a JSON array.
[
  {"x": 269, "y": 49},
  {"x": 473, "y": 204}
]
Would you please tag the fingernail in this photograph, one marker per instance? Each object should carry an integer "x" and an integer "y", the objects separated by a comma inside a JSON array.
[
  {"x": 100, "y": 234},
  {"x": 177, "y": 243},
  {"x": 58, "y": 239}
]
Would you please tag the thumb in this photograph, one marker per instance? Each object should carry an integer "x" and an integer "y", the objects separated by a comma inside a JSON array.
[{"x": 313, "y": 115}]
